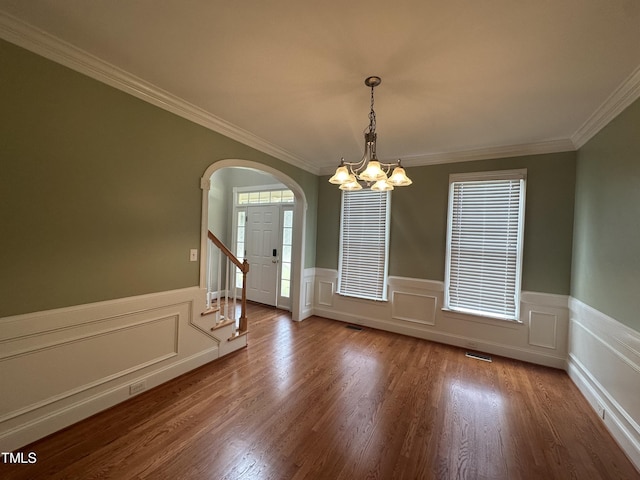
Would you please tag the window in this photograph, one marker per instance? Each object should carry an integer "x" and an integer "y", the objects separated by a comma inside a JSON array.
[
  {"x": 364, "y": 242},
  {"x": 265, "y": 197},
  {"x": 285, "y": 258},
  {"x": 240, "y": 242},
  {"x": 484, "y": 243}
]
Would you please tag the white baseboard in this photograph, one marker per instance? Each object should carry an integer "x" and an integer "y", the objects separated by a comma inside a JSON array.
[
  {"x": 415, "y": 306},
  {"x": 447, "y": 338},
  {"x": 64, "y": 365},
  {"x": 40, "y": 427},
  {"x": 604, "y": 363}
]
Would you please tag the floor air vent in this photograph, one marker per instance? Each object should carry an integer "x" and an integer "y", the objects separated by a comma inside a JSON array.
[
  {"x": 478, "y": 356},
  {"x": 354, "y": 327}
]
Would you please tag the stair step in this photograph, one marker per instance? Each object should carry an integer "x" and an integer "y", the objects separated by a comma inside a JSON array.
[
  {"x": 237, "y": 335},
  {"x": 223, "y": 323},
  {"x": 210, "y": 311}
]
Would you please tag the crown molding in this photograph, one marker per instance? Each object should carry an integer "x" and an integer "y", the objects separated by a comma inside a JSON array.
[
  {"x": 504, "y": 151},
  {"x": 42, "y": 43},
  {"x": 623, "y": 96}
]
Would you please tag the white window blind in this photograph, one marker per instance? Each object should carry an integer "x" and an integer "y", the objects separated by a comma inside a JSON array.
[
  {"x": 484, "y": 246},
  {"x": 364, "y": 244}
]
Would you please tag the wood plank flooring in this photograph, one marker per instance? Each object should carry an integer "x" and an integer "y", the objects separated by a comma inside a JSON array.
[{"x": 318, "y": 400}]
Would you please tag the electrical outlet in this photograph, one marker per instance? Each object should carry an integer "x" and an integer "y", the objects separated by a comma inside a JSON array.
[
  {"x": 600, "y": 410},
  {"x": 137, "y": 387}
]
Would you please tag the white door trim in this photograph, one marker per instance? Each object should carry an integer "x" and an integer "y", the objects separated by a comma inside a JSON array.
[{"x": 299, "y": 225}]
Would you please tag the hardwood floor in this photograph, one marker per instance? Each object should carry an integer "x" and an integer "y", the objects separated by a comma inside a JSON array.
[{"x": 319, "y": 400}]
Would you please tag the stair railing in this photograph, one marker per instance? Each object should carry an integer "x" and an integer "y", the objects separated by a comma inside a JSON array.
[{"x": 243, "y": 266}]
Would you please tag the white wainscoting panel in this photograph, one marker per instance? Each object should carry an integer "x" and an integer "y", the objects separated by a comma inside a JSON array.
[
  {"x": 308, "y": 293},
  {"x": 604, "y": 362},
  {"x": 542, "y": 329},
  {"x": 415, "y": 308},
  {"x": 60, "y": 366},
  {"x": 326, "y": 290},
  {"x": 308, "y": 288},
  {"x": 58, "y": 372},
  {"x": 326, "y": 286}
]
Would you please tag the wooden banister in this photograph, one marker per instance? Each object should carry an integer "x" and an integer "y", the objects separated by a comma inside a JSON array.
[
  {"x": 244, "y": 268},
  {"x": 227, "y": 252}
]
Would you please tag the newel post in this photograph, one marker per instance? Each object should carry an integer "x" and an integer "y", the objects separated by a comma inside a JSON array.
[{"x": 243, "y": 305}]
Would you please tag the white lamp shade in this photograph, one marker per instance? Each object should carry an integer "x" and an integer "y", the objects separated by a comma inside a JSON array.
[
  {"x": 342, "y": 175},
  {"x": 373, "y": 172},
  {"x": 351, "y": 184},
  {"x": 382, "y": 186},
  {"x": 398, "y": 178}
]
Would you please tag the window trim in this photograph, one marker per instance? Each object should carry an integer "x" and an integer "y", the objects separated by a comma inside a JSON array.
[
  {"x": 261, "y": 189},
  {"x": 383, "y": 294},
  {"x": 515, "y": 174}
]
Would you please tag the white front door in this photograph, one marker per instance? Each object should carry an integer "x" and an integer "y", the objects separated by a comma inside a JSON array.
[{"x": 262, "y": 243}]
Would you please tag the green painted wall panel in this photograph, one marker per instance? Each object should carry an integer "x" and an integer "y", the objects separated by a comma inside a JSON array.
[
  {"x": 100, "y": 195},
  {"x": 606, "y": 254},
  {"x": 419, "y": 220}
]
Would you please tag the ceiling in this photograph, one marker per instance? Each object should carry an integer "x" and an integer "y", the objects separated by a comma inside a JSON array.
[{"x": 460, "y": 79}]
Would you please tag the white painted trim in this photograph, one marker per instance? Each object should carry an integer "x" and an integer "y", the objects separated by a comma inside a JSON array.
[
  {"x": 548, "y": 299},
  {"x": 299, "y": 227},
  {"x": 42, "y": 43},
  {"x": 447, "y": 338},
  {"x": 420, "y": 283},
  {"x": 38, "y": 41},
  {"x": 517, "y": 174},
  {"x": 502, "y": 151},
  {"x": 623, "y": 96},
  {"x": 65, "y": 315},
  {"x": 258, "y": 188},
  {"x": 26, "y": 433},
  {"x": 308, "y": 279},
  {"x": 604, "y": 363},
  {"x": 499, "y": 337},
  {"x": 327, "y": 272},
  {"x": 61, "y": 337}
]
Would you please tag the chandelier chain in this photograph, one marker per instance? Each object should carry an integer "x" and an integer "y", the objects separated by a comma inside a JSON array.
[{"x": 372, "y": 115}]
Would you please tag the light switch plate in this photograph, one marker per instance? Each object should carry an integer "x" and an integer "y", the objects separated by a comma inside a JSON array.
[{"x": 193, "y": 255}]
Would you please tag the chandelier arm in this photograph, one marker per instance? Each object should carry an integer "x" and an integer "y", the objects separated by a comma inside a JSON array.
[{"x": 355, "y": 165}]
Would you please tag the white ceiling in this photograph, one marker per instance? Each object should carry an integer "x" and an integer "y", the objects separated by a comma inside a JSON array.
[{"x": 460, "y": 79}]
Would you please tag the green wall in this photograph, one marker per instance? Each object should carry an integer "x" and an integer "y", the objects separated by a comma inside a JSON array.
[
  {"x": 606, "y": 253},
  {"x": 100, "y": 195},
  {"x": 419, "y": 220}
]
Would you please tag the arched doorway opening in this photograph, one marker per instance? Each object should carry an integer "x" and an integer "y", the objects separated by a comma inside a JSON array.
[{"x": 298, "y": 230}]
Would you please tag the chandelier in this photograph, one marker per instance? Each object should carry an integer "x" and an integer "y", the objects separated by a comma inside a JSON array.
[{"x": 369, "y": 170}]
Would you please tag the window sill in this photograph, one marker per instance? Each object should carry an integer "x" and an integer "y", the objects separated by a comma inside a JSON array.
[
  {"x": 362, "y": 299},
  {"x": 486, "y": 319}
]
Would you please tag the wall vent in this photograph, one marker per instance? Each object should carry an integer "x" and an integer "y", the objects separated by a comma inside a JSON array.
[{"x": 354, "y": 327}]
